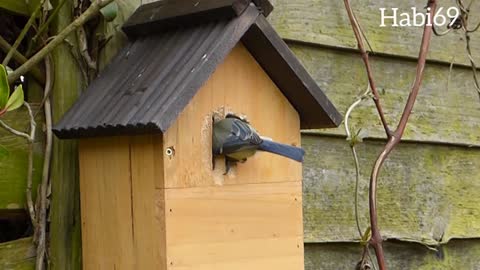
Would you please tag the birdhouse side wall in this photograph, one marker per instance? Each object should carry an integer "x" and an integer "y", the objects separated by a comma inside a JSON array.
[
  {"x": 123, "y": 224},
  {"x": 250, "y": 218}
]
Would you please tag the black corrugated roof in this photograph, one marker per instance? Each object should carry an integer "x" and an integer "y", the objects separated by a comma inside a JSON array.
[{"x": 154, "y": 77}]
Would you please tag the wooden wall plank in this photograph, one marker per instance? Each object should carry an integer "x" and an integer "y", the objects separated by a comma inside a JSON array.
[
  {"x": 17, "y": 255},
  {"x": 238, "y": 85},
  {"x": 106, "y": 204},
  {"x": 123, "y": 221},
  {"x": 459, "y": 254},
  {"x": 326, "y": 22},
  {"x": 427, "y": 193},
  {"x": 255, "y": 226},
  {"x": 440, "y": 115},
  {"x": 13, "y": 166},
  {"x": 65, "y": 222},
  {"x": 148, "y": 203}
]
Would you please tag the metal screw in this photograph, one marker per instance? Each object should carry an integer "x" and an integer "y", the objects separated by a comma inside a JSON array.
[{"x": 170, "y": 152}]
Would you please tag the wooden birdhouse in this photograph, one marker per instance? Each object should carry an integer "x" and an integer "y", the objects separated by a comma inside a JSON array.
[{"x": 152, "y": 194}]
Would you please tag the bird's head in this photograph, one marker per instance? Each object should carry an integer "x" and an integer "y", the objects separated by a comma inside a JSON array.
[{"x": 233, "y": 116}]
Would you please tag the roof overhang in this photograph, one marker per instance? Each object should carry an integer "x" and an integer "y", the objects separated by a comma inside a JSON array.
[{"x": 154, "y": 77}]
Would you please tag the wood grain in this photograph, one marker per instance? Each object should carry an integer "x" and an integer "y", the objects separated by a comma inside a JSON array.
[
  {"x": 442, "y": 114},
  {"x": 239, "y": 85},
  {"x": 459, "y": 254},
  {"x": 17, "y": 255},
  {"x": 105, "y": 186},
  {"x": 251, "y": 218},
  {"x": 326, "y": 23},
  {"x": 255, "y": 226},
  {"x": 147, "y": 203},
  {"x": 123, "y": 222},
  {"x": 161, "y": 16},
  {"x": 65, "y": 224},
  {"x": 427, "y": 193}
]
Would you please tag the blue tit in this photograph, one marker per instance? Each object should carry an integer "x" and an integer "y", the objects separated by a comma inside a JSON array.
[{"x": 237, "y": 140}]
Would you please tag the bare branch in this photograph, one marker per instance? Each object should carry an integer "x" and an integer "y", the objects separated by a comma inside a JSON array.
[
  {"x": 44, "y": 26},
  {"x": 422, "y": 58},
  {"x": 472, "y": 61},
  {"x": 14, "y": 131},
  {"x": 91, "y": 12},
  {"x": 363, "y": 52},
  {"x": 30, "y": 204},
  {"x": 450, "y": 70},
  {"x": 354, "y": 153},
  {"x": 37, "y": 73},
  {"x": 440, "y": 33},
  {"x": 376, "y": 240},
  {"x": 393, "y": 138},
  {"x": 24, "y": 32},
  {"x": 42, "y": 214}
]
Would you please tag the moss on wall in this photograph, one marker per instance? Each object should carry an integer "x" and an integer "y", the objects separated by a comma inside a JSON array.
[
  {"x": 17, "y": 255},
  {"x": 325, "y": 22},
  {"x": 427, "y": 193},
  {"x": 459, "y": 254},
  {"x": 440, "y": 115}
]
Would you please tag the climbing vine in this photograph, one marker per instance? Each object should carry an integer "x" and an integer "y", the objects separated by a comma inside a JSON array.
[
  {"x": 372, "y": 237},
  {"x": 39, "y": 49}
]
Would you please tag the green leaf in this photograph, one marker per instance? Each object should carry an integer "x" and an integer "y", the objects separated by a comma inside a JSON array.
[
  {"x": 366, "y": 236},
  {"x": 357, "y": 136},
  {"x": 110, "y": 11},
  {"x": 16, "y": 99},
  {"x": 4, "y": 87}
]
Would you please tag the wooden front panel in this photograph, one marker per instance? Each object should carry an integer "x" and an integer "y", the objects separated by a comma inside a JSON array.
[
  {"x": 239, "y": 85},
  {"x": 252, "y": 217},
  {"x": 123, "y": 224},
  {"x": 235, "y": 227}
]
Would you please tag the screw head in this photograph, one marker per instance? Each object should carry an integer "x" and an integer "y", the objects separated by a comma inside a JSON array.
[{"x": 170, "y": 151}]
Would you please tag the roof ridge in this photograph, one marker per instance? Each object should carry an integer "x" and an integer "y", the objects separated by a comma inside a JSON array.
[{"x": 170, "y": 14}]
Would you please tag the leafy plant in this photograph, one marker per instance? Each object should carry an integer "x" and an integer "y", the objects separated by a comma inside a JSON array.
[{"x": 9, "y": 102}]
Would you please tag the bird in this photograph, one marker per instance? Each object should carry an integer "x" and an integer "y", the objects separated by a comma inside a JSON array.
[{"x": 237, "y": 140}]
